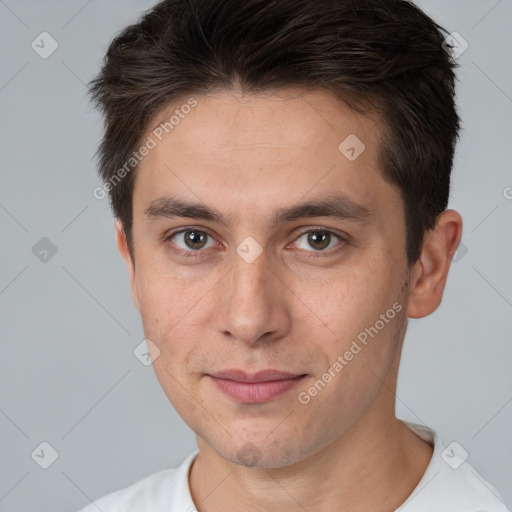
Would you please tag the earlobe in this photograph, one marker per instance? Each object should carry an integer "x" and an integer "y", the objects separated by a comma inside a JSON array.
[
  {"x": 431, "y": 270},
  {"x": 122, "y": 245}
]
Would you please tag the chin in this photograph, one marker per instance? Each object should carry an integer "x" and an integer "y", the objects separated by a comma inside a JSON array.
[{"x": 262, "y": 453}]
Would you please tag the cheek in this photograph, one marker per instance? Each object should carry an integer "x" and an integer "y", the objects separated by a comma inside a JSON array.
[
  {"x": 163, "y": 295},
  {"x": 366, "y": 318},
  {"x": 174, "y": 316},
  {"x": 351, "y": 302},
  {"x": 163, "y": 316},
  {"x": 357, "y": 371}
]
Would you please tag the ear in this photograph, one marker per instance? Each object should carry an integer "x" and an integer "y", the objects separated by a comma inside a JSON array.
[
  {"x": 122, "y": 245},
  {"x": 431, "y": 270}
]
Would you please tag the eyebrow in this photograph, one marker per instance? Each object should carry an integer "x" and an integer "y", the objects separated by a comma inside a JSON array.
[{"x": 337, "y": 206}]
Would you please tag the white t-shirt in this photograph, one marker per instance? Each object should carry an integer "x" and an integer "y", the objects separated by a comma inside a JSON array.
[{"x": 449, "y": 484}]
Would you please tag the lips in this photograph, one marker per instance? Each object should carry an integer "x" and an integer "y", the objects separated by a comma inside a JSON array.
[
  {"x": 257, "y": 387},
  {"x": 261, "y": 376}
]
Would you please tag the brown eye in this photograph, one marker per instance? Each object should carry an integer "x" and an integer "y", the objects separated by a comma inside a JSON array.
[
  {"x": 320, "y": 240},
  {"x": 195, "y": 239},
  {"x": 190, "y": 240}
]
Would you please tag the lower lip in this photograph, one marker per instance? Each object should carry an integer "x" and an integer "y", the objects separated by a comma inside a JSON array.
[{"x": 255, "y": 392}]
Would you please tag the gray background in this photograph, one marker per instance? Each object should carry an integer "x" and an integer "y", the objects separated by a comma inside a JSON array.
[{"x": 68, "y": 375}]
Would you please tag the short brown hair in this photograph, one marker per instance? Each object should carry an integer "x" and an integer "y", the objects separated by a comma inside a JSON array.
[{"x": 387, "y": 55}]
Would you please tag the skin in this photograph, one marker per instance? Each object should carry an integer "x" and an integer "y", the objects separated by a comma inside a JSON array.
[{"x": 246, "y": 156}]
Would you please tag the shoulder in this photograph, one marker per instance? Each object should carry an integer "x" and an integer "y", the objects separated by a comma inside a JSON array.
[
  {"x": 475, "y": 491},
  {"x": 149, "y": 490},
  {"x": 156, "y": 492},
  {"x": 461, "y": 490},
  {"x": 450, "y": 483}
]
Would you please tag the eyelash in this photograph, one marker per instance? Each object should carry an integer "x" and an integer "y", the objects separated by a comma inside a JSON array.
[{"x": 197, "y": 254}]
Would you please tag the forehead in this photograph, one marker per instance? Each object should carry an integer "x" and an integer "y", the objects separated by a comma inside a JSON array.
[
  {"x": 242, "y": 151},
  {"x": 291, "y": 117}
]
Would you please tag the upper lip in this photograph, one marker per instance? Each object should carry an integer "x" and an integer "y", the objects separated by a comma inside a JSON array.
[{"x": 261, "y": 376}]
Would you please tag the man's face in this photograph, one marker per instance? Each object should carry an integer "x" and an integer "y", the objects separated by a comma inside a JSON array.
[{"x": 297, "y": 306}]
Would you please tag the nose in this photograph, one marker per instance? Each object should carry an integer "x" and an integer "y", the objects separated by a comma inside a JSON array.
[{"x": 253, "y": 302}]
